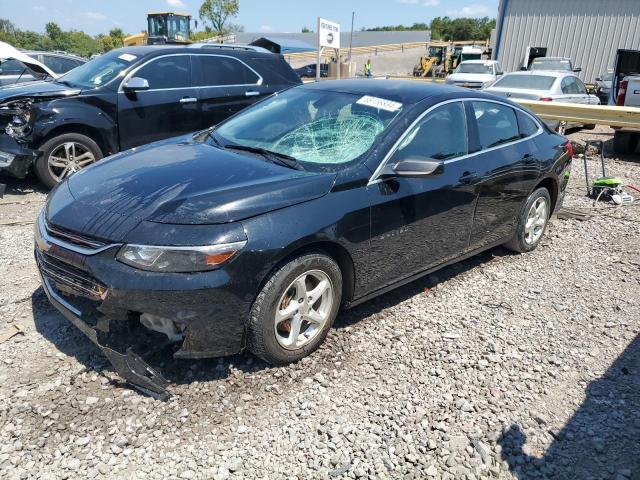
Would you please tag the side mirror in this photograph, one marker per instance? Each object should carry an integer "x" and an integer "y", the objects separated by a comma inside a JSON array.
[
  {"x": 577, "y": 69},
  {"x": 499, "y": 73},
  {"x": 450, "y": 71},
  {"x": 523, "y": 69},
  {"x": 413, "y": 167},
  {"x": 598, "y": 79},
  {"x": 135, "y": 84}
]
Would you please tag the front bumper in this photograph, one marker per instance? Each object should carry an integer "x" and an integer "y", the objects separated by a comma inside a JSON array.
[
  {"x": 15, "y": 159},
  {"x": 105, "y": 299}
]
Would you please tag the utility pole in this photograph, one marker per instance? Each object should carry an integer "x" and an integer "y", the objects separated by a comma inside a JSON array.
[{"x": 353, "y": 14}]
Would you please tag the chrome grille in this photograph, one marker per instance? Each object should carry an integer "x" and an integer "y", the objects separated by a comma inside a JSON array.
[
  {"x": 70, "y": 279},
  {"x": 73, "y": 237}
]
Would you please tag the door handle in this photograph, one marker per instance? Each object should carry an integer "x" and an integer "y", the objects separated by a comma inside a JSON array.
[
  {"x": 188, "y": 100},
  {"x": 468, "y": 177},
  {"x": 251, "y": 94}
]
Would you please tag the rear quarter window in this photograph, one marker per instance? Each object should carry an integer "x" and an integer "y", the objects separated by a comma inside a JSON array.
[{"x": 526, "y": 125}]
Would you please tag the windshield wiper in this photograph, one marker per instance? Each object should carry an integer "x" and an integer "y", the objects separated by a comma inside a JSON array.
[{"x": 275, "y": 157}]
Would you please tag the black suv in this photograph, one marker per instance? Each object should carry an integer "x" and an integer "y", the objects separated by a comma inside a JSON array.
[{"x": 129, "y": 97}]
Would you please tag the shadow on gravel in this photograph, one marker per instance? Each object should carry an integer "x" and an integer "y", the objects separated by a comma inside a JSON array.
[
  {"x": 25, "y": 186},
  {"x": 602, "y": 439},
  {"x": 400, "y": 294}
]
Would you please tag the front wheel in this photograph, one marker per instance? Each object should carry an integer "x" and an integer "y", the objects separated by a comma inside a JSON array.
[
  {"x": 532, "y": 222},
  {"x": 294, "y": 310},
  {"x": 64, "y": 155}
]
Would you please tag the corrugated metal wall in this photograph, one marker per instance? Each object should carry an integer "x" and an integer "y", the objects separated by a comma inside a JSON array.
[{"x": 587, "y": 31}]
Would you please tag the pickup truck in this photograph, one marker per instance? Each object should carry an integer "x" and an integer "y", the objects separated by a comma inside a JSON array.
[{"x": 625, "y": 91}]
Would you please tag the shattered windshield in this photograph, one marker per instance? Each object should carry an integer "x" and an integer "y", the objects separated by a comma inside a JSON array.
[{"x": 314, "y": 127}]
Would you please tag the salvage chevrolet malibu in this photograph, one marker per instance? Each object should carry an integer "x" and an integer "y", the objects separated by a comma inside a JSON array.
[{"x": 254, "y": 234}]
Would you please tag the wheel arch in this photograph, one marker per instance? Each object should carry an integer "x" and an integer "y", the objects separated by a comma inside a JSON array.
[
  {"x": 333, "y": 250},
  {"x": 551, "y": 185},
  {"x": 89, "y": 131}
]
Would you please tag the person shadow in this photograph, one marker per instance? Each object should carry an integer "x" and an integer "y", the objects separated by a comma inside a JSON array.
[{"x": 602, "y": 438}]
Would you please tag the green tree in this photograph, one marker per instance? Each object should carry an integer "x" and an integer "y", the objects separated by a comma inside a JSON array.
[
  {"x": 216, "y": 13},
  {"x": 306, "y": 30}
]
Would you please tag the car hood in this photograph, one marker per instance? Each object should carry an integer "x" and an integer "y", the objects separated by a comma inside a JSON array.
[
  {"x": 9, "y": 52},
  {"x": 177, "y": 182},
  {"x": 36, "y": 90},
  {"x": 470, "y": 77}
]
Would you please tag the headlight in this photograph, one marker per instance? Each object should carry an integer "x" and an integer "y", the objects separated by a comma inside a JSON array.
[
  {"x": 19, "y": 124},
  {"x": 178, "y": 259}
]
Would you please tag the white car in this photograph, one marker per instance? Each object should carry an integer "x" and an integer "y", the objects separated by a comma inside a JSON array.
[
  {"x": 475, "y": 74},
  {"x": 545, "y": 86},
  {"x": 32, "y": 69}
]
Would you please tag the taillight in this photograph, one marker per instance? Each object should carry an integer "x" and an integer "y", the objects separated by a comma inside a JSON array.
[
  {"x": 622, "y": 93},
  {"x": 546, "y": 99},
  {"x": 569, "y": 149}
]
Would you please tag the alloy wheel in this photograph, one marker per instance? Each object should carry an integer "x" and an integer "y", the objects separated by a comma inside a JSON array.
[
  {"x": 67, "y": 159},
  {"x": 536, "y": 221},
  {"x": 304, "y": 309}
]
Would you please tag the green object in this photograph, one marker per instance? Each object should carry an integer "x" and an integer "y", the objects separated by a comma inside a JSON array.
[{"x": 609, "y": 182}]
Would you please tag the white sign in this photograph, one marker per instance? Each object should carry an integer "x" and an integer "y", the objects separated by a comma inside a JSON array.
[
  {"x": 328, "y": 33},
  {"x": 381, "y": 103}
]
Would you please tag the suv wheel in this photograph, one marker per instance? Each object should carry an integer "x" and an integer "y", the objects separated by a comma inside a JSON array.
[
  {"x": 532, "y": 222},
  {"x": 294, "y": 310},
  {"x": 64, "y": 155}
]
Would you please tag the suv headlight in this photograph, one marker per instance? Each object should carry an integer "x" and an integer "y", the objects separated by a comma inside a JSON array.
[
  {"x": 19, "y": 125},
  {"x": 178, "y": 259}
]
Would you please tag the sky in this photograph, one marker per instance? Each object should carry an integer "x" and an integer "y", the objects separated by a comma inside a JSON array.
[{"x": 99, "y": 16}]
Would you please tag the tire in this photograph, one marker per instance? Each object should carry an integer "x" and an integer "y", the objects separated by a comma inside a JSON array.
[
  {"x": 625, "y": 142},
  {"x": 57, "y": 152},
  {"x": 524, "y": 240},
  {"x": 277, "y": 344}
]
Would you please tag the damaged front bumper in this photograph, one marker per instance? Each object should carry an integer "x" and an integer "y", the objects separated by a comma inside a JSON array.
[
  {"x": 108, "y": 301},
  {"x": 15, "y": 159}
]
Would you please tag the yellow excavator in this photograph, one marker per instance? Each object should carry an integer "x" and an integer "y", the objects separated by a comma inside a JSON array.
[
  {"x": 436, "y": 57},
  {"x": 163, "y": 28}
]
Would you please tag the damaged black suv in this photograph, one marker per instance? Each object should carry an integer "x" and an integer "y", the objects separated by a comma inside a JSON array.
[{"x": 126, "y": 98}]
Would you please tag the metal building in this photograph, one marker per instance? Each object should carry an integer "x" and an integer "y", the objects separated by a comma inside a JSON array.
[{"x": 587, "y": 31}]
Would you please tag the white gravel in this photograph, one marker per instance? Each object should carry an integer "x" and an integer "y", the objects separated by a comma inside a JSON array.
[{"x": 502, "y": 366}]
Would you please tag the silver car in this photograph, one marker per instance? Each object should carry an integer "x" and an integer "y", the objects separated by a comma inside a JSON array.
[{"x": 546, "y": 86}]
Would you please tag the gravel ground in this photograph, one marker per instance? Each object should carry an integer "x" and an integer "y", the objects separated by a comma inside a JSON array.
[{"x": 502, "y": 366}]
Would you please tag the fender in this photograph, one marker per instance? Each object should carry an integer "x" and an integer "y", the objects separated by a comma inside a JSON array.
[{"x": 92, "y": 114}]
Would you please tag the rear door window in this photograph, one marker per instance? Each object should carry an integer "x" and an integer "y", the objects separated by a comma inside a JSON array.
[
  {"x": 441, "y": 135},
  {"x": 497, "y": 124},
  {"x": 217, "y": 70},
  {"x": 167, "y": 72}
]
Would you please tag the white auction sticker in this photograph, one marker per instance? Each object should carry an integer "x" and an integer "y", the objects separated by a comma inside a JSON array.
[
  {"x": 382, "y": 103},
  {"x": 127, "y": 57}
]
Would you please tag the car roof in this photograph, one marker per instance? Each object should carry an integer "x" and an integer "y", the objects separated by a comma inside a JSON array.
[
  {"x": 553, "y": 58},
  {"x": 156, "y": 50},
  {"x": 404, "y": 91}
]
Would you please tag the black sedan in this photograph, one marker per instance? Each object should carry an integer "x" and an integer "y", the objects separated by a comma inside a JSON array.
[{"x": 255, "y": 233}]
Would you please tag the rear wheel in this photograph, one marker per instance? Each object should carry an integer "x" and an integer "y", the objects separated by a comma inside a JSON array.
[
  {"x": 64, "y": 155},
  {"x": 625, "y": 142},
  {"x": 294, "y": 310},
  {"x": 532, "y": 222}
]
